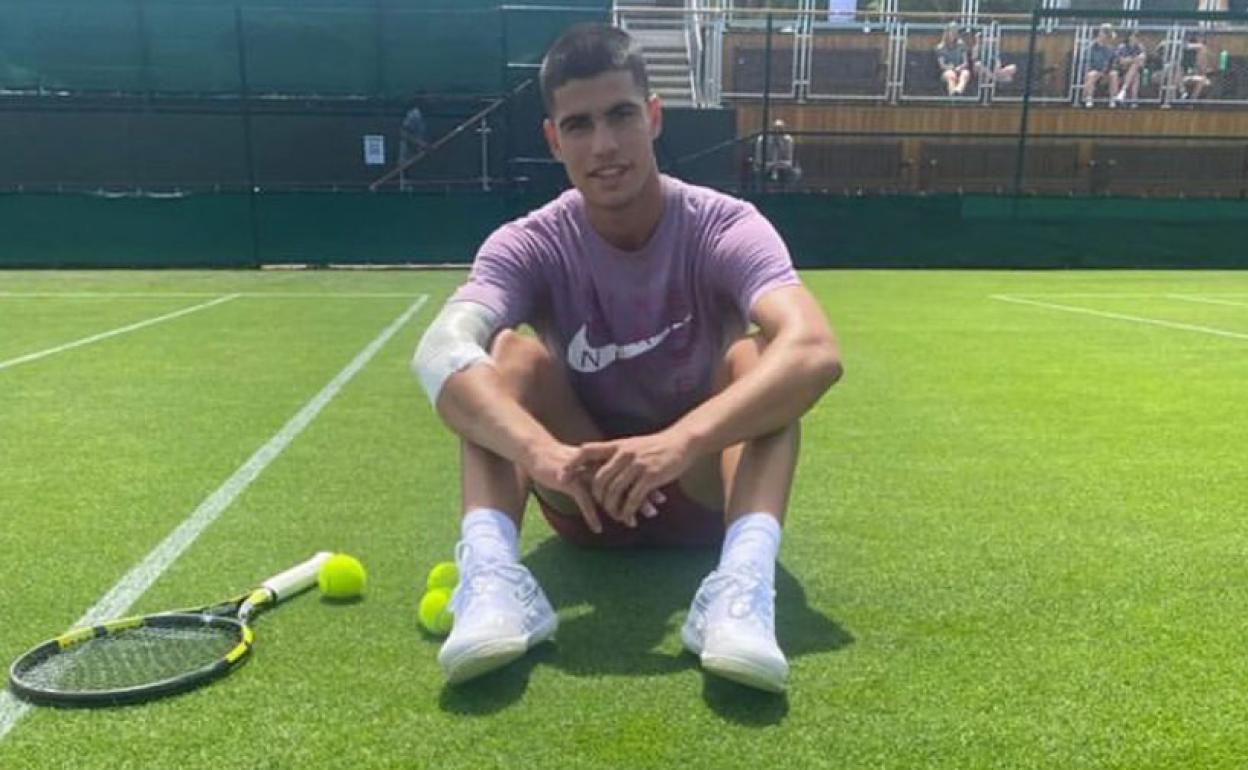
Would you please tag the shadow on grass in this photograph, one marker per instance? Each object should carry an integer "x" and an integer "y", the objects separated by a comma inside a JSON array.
[
  {"x": 617, "y": 606},
  {"x": 496, "y": 690},
  {"x": 744, "y": 705}
]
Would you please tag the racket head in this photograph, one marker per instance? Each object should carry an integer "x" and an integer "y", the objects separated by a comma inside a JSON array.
[{"x": 131, "y": 660}]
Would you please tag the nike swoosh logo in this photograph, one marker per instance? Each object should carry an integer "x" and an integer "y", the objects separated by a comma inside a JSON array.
[{"x": 587, "y": 359}]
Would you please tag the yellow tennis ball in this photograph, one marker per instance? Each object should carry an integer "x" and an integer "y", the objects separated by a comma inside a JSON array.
[
  {"x": 341, "y": 577},
  {"x": 443, "y": 575},
  {"x": 435, "y": 612}
]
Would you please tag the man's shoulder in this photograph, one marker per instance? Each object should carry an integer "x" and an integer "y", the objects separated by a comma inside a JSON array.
[
  {"x": 714, "y": 219},
  {"x": 708, "y": 205},
  {"x": 545, "y": 225}
]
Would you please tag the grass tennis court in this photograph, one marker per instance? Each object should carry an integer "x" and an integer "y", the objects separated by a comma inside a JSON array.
[{"x": 1016, "y": 537}]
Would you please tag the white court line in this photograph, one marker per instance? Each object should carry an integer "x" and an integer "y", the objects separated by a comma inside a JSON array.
[
  {"x": 135, "y": 582},
  {"x": 113, "y": 332},
  {"x": 1087, "y": 294},
  {"x": 177, "y": 294},
  {"x": 1206, "y": 300},
  {"x": 1122, "y": 317},
  {"x": 1120, "y": 294}
]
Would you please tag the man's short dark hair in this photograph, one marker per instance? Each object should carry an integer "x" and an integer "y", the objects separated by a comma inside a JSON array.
[{"x": 586, "y": 51}]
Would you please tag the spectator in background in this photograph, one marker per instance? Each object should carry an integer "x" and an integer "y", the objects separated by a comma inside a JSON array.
[
  {"x": 951, "y": 55},
  {"x": 1100, "y": 62},
  {"x": 1129, "y": 61},
  {"x": 412, "y": 142},
  {"x": 776, "y": 159},
  {"x": 994, "y": 72},
  {"x": 1197, "y": 66}
]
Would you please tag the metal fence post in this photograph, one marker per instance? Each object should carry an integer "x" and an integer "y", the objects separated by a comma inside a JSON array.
[
  {"x": 248, "y": 149},
  {"x": 1020, "y": 157},
  {"x": 766, "y": 132}
]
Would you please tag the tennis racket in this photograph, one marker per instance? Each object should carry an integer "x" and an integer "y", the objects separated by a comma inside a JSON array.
[{"x": 150, "y": 656}]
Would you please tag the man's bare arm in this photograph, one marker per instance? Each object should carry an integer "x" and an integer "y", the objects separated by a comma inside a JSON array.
[
  {"x": 473, "y": 400},
  {"x": 476, "y": 404},
  {"x": 800, "y": 362}
]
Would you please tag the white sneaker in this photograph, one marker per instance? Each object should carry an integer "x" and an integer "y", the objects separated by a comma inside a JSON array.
[
  {"x": 731, "y": 627},
  {"x": 500, "y": 613}
]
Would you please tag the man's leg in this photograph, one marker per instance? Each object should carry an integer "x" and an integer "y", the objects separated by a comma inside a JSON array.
[
  {"x": 964, "y": 79},
  {"x": 731, "y": 624},
  {"x": 950, "y": 79},
  {"x": 534, "y": 378},
  {"x": 755, "y": 475},
  {"x": 500, "y": 611},
  {"x": 1089, "y": 87}
]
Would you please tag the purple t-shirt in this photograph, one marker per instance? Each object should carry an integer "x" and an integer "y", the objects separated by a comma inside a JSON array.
[{"x": 641, "y": 333}]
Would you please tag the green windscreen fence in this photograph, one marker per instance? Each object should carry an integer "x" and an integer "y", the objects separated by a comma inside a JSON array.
[
  {"x": 236, "y": 230},
  {"x": 200, "y": 49},
  {"x": 190, "y": 132},
  {"x": 375, "y": 48},
  {"x": 135, "y": 97}
]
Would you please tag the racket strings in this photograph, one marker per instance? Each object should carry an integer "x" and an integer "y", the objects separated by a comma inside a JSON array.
[{"x": 133, "y": 658}]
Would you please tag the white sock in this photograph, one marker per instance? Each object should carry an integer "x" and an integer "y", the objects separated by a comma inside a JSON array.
[
  {"x": 754, "y": 540},
  {"x": 491, "y": 536}
]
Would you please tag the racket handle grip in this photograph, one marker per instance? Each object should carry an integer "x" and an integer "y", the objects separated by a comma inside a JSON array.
[{"x": 297, "y": 578}]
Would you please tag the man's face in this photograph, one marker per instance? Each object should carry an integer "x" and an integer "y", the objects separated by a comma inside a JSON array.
[{"x": 602, "y": 129}]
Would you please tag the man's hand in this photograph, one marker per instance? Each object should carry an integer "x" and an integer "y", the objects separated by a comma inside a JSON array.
[
  {"x": 560, "y": 468},
  {"x": 631, "y": 470}
]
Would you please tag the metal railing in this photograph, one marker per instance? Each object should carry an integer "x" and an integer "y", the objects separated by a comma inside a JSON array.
[{"x": 887, "y": 55}]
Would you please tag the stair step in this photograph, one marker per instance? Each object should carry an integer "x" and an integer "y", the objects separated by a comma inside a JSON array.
[
  {"x": 655, "y": 27},
  {"x": 661, "y": 45},
  {"x": 650, "y": 30}
]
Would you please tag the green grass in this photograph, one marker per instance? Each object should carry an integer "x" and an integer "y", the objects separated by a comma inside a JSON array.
[{"x": 1016, "y": 538}]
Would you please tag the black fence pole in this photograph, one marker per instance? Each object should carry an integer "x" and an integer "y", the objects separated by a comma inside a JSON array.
[
  {"x": 145, "y": 85},
  {"x": 765, "y": 134},
  {"x": 248, "y": 149},
  {"x": 1020, "y": 157},
  {"x": 508, "y": 117},
  {"x": 145, "y": 50},
  {"x": 379, "y": 45}
]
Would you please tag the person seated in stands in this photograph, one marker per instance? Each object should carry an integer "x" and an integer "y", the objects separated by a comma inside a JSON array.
[
  {"x": 951, "y": 55},
  {"x": 997, "y": 72},
  {"x": 1129, "y": 61},
  {"x": 1197, "y": 66},
  {"x": 776, "y": 160},
  {"x": 1100, "y": 62}
]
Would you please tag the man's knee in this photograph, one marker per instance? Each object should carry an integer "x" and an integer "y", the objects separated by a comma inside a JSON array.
[
  {"x": 522, "y": 362},
  {"x": 741, "y": 356}
]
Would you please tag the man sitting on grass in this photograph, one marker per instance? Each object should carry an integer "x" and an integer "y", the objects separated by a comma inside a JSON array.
[{"x": 645, "y": 412}]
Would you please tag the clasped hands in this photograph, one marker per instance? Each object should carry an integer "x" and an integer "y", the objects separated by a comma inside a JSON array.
[{"x": 621, "y": 477}]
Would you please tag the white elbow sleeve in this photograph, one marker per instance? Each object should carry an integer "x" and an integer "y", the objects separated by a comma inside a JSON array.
[{"x": 454, "y": 341}]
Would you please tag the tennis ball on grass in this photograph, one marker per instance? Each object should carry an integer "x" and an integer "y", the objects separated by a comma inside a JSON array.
[
  {"x": 443, "y": 575},
  {"x": 435, "y": 612},
  {"x": 341, "y": 577}
]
